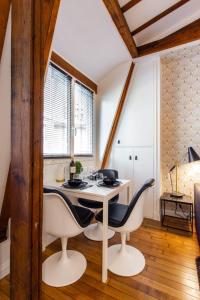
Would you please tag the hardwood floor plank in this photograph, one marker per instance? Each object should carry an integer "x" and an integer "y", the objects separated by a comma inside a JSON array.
[
  {"x": 171, "y": 283},
  {"x": 169, "y": 274},
  {"x": 172, "y": 271},
  {"x": 3, "y": 296}
]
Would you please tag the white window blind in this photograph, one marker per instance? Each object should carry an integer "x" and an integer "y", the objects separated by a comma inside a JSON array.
[
  {"x": 83, "y": 120},
  {"x": 57, "y": 113}
]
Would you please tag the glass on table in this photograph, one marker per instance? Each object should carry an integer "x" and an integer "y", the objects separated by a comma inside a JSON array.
[
  {"x": 100, "y": 176},
  {"x": 85, "y": 173},
  {"x": 76, "y": 176}
]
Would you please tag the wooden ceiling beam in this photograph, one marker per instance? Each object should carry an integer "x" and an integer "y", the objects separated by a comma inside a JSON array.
[
  {"x": 4, "y": 14},
  {"x": 118, "y": 18},
  {"x": 71, "y": 70},
  {"x": 160, "y": 16},
  {"x": 129, "y": 5},
  {"x": 182, "y": 36},
  {"x": 117, "y": 118}
]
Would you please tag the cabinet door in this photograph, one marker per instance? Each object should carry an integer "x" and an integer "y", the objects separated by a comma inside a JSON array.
[
  {"x": 122, "y": 160},
  {"x": 143, "y": 170},
  {"x": 136, "y": 164}
]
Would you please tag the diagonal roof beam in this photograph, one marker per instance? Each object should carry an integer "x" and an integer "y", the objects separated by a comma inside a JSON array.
[
  {"x": 4, "y": 13},
  {"x": 118, "y": 18},
  {"x": 129, "y": 5},
  {"x": 160, "y": 16},
  {"x": 117, "y": 118},
  {"x": 66, "y": 66},
  {"x": 51, "y": 8},
  {"x": 182, "y": 36}
]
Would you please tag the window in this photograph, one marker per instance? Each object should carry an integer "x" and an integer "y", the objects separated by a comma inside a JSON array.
[
  {"x": 57, "y": 113},
  {"x": 62, "y": 113},
  {"x": 83, "y": 120}
]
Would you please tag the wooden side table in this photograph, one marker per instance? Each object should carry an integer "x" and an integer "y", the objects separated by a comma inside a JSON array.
[{"x": 176, "y": 202}]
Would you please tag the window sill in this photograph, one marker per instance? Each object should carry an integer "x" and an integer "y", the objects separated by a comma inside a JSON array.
[{"x": 56, "y": 157}]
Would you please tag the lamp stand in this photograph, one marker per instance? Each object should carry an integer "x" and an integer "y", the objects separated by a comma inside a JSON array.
[{"x": 176, "y": 194}]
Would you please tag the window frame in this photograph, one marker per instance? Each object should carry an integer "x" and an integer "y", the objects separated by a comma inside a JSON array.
[
  {"x": 93, "y": 123},
  {"x": 74, "y": 79}
]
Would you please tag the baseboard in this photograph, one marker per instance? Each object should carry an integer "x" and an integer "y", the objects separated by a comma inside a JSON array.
[
  {"x": 4, "y": 258},
  {"x": 4, "y": 268}
]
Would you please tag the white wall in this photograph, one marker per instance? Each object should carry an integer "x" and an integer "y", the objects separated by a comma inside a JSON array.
[
  {"x": 5, "y": 136},
  {"x": 139, "y": 124},
  {"x": 109, "y": 93}
]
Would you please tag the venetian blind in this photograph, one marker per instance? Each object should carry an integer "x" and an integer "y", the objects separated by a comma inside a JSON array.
[
  {"x": 57, "y": 112},
  {"x": 83, "y": 120}
]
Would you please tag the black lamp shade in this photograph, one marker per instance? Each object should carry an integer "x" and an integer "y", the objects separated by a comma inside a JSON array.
[{"x": 192, "y": 155}]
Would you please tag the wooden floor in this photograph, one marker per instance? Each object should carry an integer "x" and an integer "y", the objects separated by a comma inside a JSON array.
[{"x": 170, "y": 271}]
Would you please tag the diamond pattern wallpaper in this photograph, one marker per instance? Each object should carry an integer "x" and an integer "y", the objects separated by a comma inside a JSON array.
[{"x": 180, "y": 116}]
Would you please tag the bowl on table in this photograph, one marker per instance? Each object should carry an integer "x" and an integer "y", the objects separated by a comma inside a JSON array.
[
  {"x": 74, "y": 182},
  {"x": 109, "y": 181}
]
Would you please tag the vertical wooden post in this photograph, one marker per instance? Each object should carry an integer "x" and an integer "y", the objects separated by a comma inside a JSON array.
[{"x": 26, "y": 154}]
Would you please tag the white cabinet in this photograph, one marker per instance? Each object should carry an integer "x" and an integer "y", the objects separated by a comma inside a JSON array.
[
  {"x": 135, "y": 151},
  {"x": 137, "y": 164}
]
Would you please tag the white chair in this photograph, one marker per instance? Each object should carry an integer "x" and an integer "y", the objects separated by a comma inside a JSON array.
[
  {"x": 63, "y": 220},
  {"x": 123, "y": 259},
  {"x": 94, "y": 232}
]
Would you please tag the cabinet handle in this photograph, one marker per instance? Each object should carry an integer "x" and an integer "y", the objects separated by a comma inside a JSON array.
[
  {"x": 130, "y": 157},
  {"x": 118, "y": 142},
  {"x": 136, "y": 157}
]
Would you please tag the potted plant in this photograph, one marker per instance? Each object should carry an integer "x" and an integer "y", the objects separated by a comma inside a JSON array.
[{"x": 79, "y": 167}]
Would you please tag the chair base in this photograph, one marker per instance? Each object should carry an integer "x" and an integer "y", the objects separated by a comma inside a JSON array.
[
  {"x": 126, "y": 262},
  {"x": 58, "y": 272},
  {"x": 94, "y": 232}
]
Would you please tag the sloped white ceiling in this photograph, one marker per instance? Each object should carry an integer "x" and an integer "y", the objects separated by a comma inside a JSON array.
[
  {"x": 145, "y": 10},
  {"x": 86, "y": 37}
]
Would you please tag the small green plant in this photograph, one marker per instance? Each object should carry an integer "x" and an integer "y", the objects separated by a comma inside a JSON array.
[{"x": 79, "y": 167}]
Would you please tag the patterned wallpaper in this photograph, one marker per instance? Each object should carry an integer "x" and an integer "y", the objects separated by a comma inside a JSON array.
[{"x": 180, "y": 115}]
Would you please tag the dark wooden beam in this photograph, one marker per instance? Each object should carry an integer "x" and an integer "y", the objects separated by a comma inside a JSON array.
[
  {"x": 129, "y": 5},
  {"x": 117, "y": 118},
  {"x": 4, "y": 13},
  {"x": 62, "y": 63},
  {"x": 51, "y": 8},
  {"x": 51, "y": 12},
  {"x": 26, "y": 153},
  {"x": 160, "y": 16},
  {"x": 118, "y": 18},
  {"x": 184, "y": 35}
]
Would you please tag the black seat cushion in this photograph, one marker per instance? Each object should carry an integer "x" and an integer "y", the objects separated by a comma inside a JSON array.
[
  {"x": 96, "y": 204},
  {"x": 82, "y": 215},
  {"x": 120, "y": 213},
  {"x": 85, "y": 215},
  {"x": 116, "y": 214}
]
